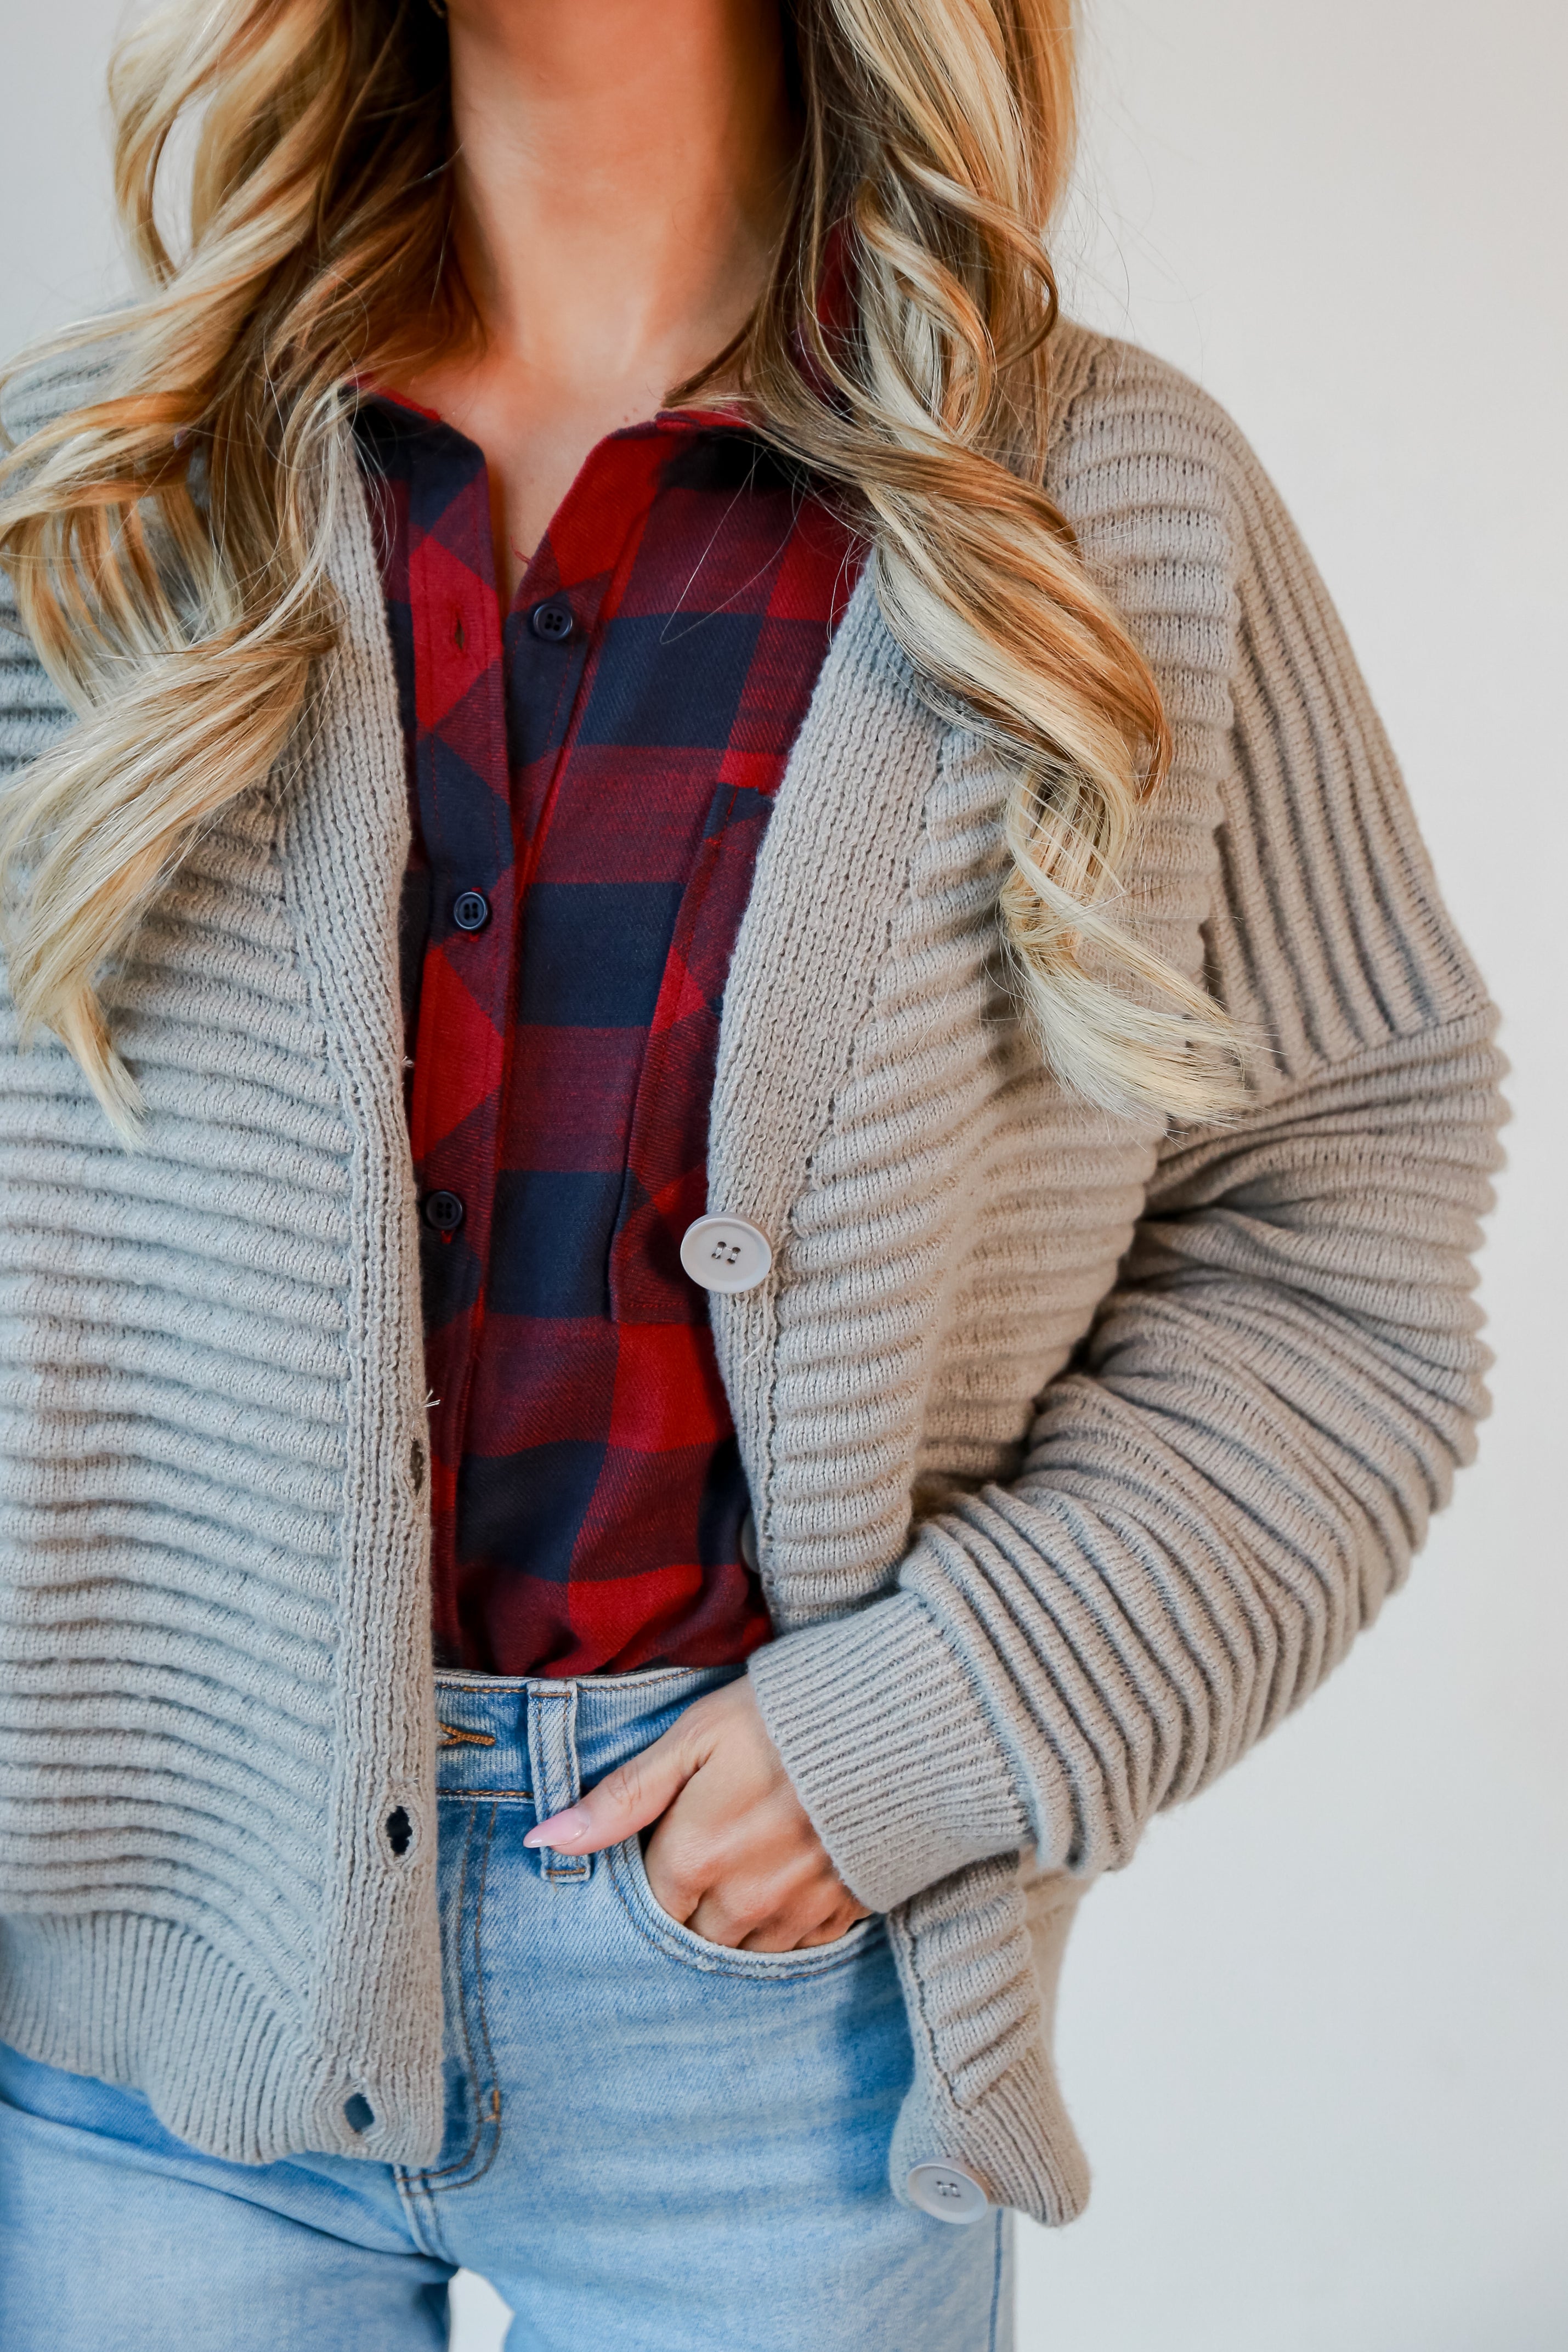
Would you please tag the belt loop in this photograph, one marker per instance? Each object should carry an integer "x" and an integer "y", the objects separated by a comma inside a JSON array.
[{"x": 552, "y": 1764}]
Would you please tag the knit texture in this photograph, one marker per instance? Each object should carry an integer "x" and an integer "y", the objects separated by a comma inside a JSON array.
[
  {"x": 216, "y": 1679},
  {"x": 1077, "y": 1453}
]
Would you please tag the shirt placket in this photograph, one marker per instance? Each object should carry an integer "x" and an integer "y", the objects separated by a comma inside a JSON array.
[{"x": 462, "y": 784}]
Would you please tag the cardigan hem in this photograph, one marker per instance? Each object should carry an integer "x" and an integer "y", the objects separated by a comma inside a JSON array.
[{"x": 152, "y": 2005}]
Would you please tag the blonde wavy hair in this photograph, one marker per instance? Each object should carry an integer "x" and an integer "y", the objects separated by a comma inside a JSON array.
[{"x": 170, "y": 542}]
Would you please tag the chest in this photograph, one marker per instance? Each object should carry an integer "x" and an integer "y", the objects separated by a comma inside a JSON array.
[{"x": 591, "y": 770}]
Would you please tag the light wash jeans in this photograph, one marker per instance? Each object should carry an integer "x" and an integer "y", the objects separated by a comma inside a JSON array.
[{"x": 653, "y": 2144}]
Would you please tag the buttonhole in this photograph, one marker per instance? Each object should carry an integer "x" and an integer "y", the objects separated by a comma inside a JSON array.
[
  {"x": 358, "y": 2113},
  {"x": 459, "y": 636},
  {"x": 400, "y": 1830},
  {"x": 416, "y": 1465}
]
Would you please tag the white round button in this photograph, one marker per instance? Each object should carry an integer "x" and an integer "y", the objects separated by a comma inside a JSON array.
[
  {"x": 725, "y": 1254},
  {"x": 948, "y": 2192}
]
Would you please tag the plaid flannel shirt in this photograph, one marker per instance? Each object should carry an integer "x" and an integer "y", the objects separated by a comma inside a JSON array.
[{"x": 591, "y": 777}]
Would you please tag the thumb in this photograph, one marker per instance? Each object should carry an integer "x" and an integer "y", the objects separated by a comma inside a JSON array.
[{"x": 626, "y": 1801}]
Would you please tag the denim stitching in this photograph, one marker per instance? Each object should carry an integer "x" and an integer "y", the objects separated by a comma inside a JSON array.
[
  {"x": 420, "y": 2225},
  {"x": 552, "y": 1743},
  {"x": 444, "y": 2172},
  {"x": 493, "y": 2116},
  {"x": 997, "y": 2281},
  {"x": 415, "y": 2186},
  {"x": 728, "y": 1962},
  {"x": 640, "y": 1678}
]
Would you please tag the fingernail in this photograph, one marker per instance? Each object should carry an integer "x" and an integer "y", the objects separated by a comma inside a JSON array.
[{"x": 560, "y": 1828}]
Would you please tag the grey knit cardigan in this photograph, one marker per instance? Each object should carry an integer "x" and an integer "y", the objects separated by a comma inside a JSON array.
[{"x": 1079, "y": 1452}]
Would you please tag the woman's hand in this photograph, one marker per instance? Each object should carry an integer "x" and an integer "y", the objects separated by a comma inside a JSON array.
[{"x": 734, "y": 1857}]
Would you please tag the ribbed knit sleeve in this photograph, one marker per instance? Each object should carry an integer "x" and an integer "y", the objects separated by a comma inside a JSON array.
[{"x": 1218, "y": 1493}]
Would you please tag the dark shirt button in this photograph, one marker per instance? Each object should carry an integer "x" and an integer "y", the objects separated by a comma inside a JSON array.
[
  {"x": 443, "y": 1210},
  {"x": 470, "y": 910},
  {"x": 552, "y": 621}
]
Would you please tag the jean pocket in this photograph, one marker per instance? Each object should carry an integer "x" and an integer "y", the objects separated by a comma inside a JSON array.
[{"x": 629, "y": 1875}]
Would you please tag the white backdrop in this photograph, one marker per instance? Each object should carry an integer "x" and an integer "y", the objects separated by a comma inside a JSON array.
[{"x": 1316, "y": 2038}]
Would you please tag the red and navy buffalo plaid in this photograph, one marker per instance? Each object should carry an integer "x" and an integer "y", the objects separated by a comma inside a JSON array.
[{"x": 591, "y": 779}]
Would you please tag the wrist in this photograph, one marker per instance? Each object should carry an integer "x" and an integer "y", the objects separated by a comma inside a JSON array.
[{"x": 882, "y": 1736}]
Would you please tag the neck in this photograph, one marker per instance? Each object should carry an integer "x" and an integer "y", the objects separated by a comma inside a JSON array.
[{"x": 621, "y": 176}]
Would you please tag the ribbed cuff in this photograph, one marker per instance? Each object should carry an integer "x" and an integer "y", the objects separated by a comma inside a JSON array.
[{"x": 889, "y": 1748}]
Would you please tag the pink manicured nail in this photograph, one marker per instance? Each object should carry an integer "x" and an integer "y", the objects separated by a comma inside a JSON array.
[{"x": 560, "y": 1828}]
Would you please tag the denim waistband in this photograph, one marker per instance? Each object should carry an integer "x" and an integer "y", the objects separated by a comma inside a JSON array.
[{"x": 542, "y": 1739}]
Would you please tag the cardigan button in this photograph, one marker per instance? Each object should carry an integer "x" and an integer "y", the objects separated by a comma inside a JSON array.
[
  {"x": 948, "y": 2193},
  {"x": 725, "y": 1254}
]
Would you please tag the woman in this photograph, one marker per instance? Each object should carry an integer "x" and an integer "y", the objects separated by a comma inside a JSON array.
[{"x": 725, "y": 982}]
